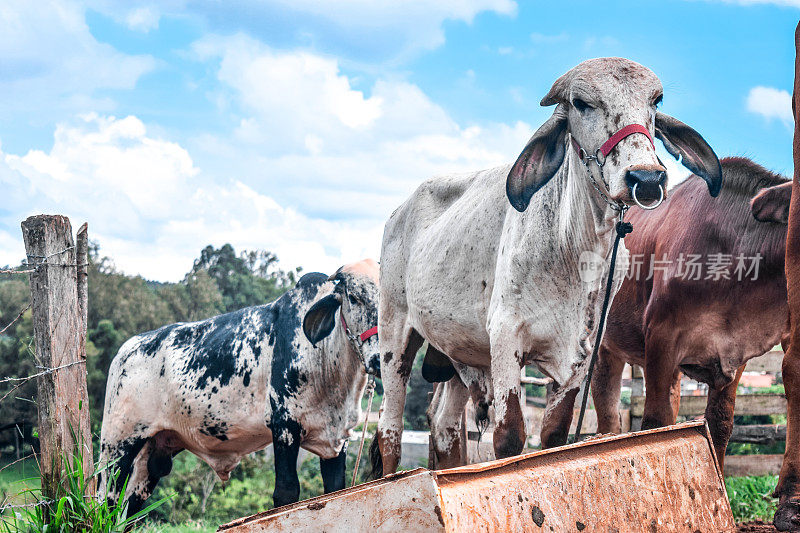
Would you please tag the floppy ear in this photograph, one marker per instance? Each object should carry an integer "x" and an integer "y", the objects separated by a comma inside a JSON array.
[
  {"x": 320, "y": 319},
  {"x": 694, "y": 152},
  {"x": 772, "y": 204},
  {"x": 539, "y": 160}
]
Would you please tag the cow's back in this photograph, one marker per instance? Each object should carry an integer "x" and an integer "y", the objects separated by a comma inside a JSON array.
[
  {"x": 205, "y": 380},
  {"x": 444, "y": 233},
  {"x": 704, "y": 315}
]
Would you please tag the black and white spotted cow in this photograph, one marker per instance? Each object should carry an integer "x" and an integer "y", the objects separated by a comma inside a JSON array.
[{"x": 285, "y": 373}]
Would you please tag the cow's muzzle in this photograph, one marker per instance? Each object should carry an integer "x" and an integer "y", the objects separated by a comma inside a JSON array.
[{"x": 647, "y": 187}]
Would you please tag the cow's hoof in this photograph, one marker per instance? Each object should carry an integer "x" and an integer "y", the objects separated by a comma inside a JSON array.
[{"x": 787, "y": 517}]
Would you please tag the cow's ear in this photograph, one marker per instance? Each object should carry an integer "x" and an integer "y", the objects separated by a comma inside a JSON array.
[
  {"x": 539, "y": 160},
  {"x": 772, "y": 204},
  {"x": 684, "y": 143},
  {"x": 320, "y": 319}
]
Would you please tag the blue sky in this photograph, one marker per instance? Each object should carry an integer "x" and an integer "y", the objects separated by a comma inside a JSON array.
[{"x": 298, "y": 126}]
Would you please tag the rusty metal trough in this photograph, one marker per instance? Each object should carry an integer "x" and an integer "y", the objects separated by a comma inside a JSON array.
[{"x": 664, "y": 479}]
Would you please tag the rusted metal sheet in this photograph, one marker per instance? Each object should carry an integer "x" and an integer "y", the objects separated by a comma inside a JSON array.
[
  {"x": 408, "y": 501},
  {"x": 665, "y": 479}
]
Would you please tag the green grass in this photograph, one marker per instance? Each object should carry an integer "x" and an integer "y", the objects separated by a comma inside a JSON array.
[
  {"x": 751, "y": 497},
  {"x": 191, "y": 527},
  {"x": 17, "y": 480}
]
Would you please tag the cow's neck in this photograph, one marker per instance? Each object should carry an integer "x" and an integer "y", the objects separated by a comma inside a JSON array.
[{"x": 585, "y": 221}]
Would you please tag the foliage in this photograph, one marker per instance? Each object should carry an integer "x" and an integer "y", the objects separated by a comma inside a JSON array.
[
  {"x": 74, "y": 508},
  {"x": 751, "y": 497},
  {"x": 746, "y": 448},
  {"x": 415, "y": 410},
  {"x": 534, "y": 391},
  {"x": 197, "y": 494}
]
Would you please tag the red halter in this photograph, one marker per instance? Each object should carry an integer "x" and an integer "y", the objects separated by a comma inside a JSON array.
[
  {"x": 364, "y": 336},
  {"x": 612, "y": 142}
]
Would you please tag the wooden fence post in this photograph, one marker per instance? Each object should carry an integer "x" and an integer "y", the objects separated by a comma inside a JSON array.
[{"x": 59, "y": 328}]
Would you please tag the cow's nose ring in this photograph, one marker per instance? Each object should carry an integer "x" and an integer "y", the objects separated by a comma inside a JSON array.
[{"x": 654, "y": 204}]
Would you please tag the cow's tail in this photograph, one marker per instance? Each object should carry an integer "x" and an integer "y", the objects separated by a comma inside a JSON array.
[{"x": 375, "y": 459}]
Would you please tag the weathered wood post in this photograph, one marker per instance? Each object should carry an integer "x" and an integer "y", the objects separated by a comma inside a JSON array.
[{"x": 58, "y": 300}]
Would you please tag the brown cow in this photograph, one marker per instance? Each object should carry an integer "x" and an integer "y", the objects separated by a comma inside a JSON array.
[
  {"x": 787, "y": 516},
  {"x": 669, "y": 322}
]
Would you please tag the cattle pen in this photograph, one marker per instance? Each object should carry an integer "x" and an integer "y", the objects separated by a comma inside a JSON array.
[{"x": 559, "y": 475}]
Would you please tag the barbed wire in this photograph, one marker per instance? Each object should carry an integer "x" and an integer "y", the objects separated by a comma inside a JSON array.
[
  {"x": 44, "y": 371},
  {"x": 12, "y": 463},
  {"x": 17, "y": 318},
  {"x": 40, "y": 503},
  {"x": 26, "y": 271},
  {"x": 46, "y": 257},
  {"x": 23, "y": 380},
  {"x": 43, "y": 262}
]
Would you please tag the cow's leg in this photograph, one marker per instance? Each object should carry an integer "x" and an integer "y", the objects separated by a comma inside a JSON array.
[
  {"x": 117, "y": 458},
  {"x": 606, "y": 389},
  {"x": 447, "y": 431},
  {"x": 662, "y": 405},
  {"x": 399, "y": 345},
  {"x": 286, "y": 447},
  {"x": 660, "y": 373},
  {"x": 509, "y": 431},
  {"x": 719, "y": 415},
  {"x": 150, "y": 466},
  {"x": 787, "y": 517},
  {"x": 557, "y": 417},
  {"x": 333, "y": 471},
  {"x": 152, "y": 463}
]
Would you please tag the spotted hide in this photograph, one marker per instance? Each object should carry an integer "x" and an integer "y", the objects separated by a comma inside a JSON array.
[
  {"x": 486, "y": 266},
  {"x": 284, "y": 373}
]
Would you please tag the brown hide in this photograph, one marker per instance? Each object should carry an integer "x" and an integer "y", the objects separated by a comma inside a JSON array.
[
  {"x": 787, "y": 516},
  {"x": 707, "y": 328}
]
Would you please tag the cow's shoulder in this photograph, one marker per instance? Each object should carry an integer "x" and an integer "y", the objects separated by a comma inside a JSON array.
[{"x": 288, "y": 341}]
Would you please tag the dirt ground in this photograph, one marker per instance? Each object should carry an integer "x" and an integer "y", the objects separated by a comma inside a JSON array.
[{"x": 756, "y": 527}]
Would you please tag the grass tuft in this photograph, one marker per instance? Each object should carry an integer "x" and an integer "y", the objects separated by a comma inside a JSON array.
[{"x": 751, "y": 497}]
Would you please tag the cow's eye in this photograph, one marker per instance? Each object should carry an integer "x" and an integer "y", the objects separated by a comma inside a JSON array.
[
  {"x": 353, "y": 299},
  {"x": 580, "y": 105},
  {"x": 658, "y": 100}
]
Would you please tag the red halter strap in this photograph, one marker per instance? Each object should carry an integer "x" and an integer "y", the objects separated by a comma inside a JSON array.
[
  {"x": 614, "y": 140},
  {"x": 364, "y": 336}
]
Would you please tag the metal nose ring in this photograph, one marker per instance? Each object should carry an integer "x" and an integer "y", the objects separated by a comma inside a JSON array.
[{"x": 651, "y": 206}]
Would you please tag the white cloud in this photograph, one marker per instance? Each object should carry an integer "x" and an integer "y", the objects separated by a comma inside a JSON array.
[
  {"x": 48, "y": 54},
  {"x": 143, "y": 18},
  {"x": 294, "y": 138},
  {"x": 152, "y": 210},
  {"x": 314, "y": 168},
  {"x": 368, "y": 29},
  {"x": 770, "y": 103},
  {"x": 542, "y": 38}
]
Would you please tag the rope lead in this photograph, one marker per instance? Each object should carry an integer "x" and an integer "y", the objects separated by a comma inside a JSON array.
[
  {"x": 623, "y": 228},
  {"x": 370, "y": 390}
]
